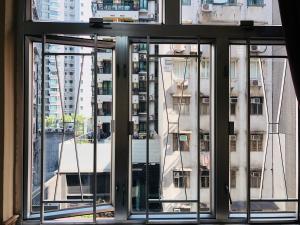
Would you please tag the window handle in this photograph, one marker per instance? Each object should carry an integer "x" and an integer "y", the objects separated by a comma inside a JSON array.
[{"x": 228, "y": 192}]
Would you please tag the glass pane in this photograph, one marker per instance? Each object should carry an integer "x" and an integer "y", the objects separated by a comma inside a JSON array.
[
  {"x": 273, "y": 134},
  {"x": 230, "y": 12},
  {"x": 238, "y": 106},
  {"x": 173, "y": 90},
  {"x": 69, "y": 128},
  {"x": 136, "y": 11}
]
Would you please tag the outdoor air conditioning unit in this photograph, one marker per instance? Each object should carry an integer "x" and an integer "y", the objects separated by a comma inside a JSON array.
[
  {"x": 205, "y": 100},
  {"x": 178, "y": 48},
  {"x": 142, "y": 77},
  {"x": 254, "y": 137},
  {"x": 255, "y": 101},
  {"x": 206, "y": 137},
  {"x": 233, "y": 100},
  {"x": 207, "y": 7},
  {"x": 255, "y": 83},
  {"x": 254, "y": 48},
  {"x": 232, "y": 137}
]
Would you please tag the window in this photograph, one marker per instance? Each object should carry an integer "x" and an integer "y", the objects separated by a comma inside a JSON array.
[
  {"x": 256, "y": 106},
  {"x": 106, "y": 88},
  {"x": 184, "y": 142},
  {"x": 255, "y": 178},
  {"x": 232, "y": 178},
  {"x": 205, "y": 69},
  {"x": 106, "y": 108},
  {"x": 204, "y": 142},
  {"x": 233, "y": 69},
  {"x": 181, "y": 179},
  {"x": 204, "y": 178},
  {"x": 233, "y": 103},
  {"x": 232, "y": 143},
  {"x": 181, "y": 69},
  {"x": 186, "y": 2},
  {"x": 142, "y": 127},
  {"x": 181, "y": 105},
  {"x": 255, "y": 2},
  {"x": 256, "y": 142},
  {"x": 255, "y": 71},
  {"x": 204, "y": 106}
]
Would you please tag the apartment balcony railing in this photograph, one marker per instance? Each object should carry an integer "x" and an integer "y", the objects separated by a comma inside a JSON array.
[{"x": 114, "y": 7}]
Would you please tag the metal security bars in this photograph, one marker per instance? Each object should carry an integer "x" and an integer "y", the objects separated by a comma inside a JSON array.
[{"x": 220, "y": 37}]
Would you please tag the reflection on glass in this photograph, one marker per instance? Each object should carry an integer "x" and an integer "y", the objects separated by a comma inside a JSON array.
[
  {"x": 173, "y": 151},
  {"x": 230, "y": 12},
  {"x": 133, "y": 11},
  {"x": 69, "y": 128}
]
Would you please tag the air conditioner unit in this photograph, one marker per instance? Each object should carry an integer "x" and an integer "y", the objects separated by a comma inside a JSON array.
[
  {"x": 206, "y": 137},
  {"x": 207, "y": 7},
  {"x": 142, "y": 97},
  {"x": 254, "y": 48},
  {"x": 233, "y": 100},
  {"x": 232, "y": 137},
  {"x": 255, "y": 83},
  {"x": 142, "y": 77},
  {"x": 255, "y": 137},
  {"x": 255, "y": 100},
  {"x": 178, "y": 48},
  {"x": 205, "y": 100}
]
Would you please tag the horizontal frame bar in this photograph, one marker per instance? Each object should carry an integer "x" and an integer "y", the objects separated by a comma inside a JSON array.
[
  {"x": 173, "y": 56},
  {"x": 268, "y": 56},
  {"x": 74, "y": 53},
  {"x": 273, "y": 200},
  {"x": 68, "y": 201},
  {"x": 174, "y": 201},
  {"x": 155, "y": 30}
]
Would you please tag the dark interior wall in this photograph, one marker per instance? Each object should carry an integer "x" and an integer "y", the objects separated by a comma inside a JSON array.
[{"x": 7, "y": 37}]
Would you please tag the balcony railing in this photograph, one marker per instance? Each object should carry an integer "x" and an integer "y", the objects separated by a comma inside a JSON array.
[{"x": 114, "y": 7}]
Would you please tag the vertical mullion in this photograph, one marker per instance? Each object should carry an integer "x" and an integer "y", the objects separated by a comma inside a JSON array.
[
  {"x": 43, "y": 132},
  {"x": 147, "y": 131},
  {"x": 198, "y": 130},
  {"x": 121, "y": 129},
  {"x": 95, "y": 130},
  {"x": 248, "y": 134},
  {"x": 221, "y": 140}
]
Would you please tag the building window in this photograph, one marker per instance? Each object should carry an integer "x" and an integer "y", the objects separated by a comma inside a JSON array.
[
  {"x": 256, "y": 106},
  {"x": 142, "y": 127},
  {"x": 255, "y": 2},
  {"x": 255, "y": 178},
  {"x": 204, "y": 178},
  {"x": 106, "y": 88},
  {"x": 106, "y": 109},
  {"x": 181, "y": 69},
  {"x": 184, "y": 142},
  {"x": 181, "y": 179},
  {"x": 255, "y": 72},
  {"x": 232, "y": 69},
  {"x": 182, "y": 105},
  {"x": 205, "y": 69},
  {"x": 204, "y": 106},
  {"x": 233, "y": 103},
  {"x": 204, "y": 142},
  {"x": 232, "y": 143},
  {"x": 232, "y": 178},
  {"x": 256, "y": 142},
  {"x": 185, "y": 2}
]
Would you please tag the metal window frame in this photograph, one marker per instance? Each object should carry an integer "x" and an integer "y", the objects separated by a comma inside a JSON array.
[{"x": 220, "y": 36}]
